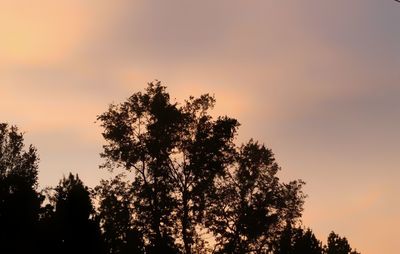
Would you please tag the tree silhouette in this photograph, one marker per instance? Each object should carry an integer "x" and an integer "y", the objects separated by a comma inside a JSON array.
[
  {"x": 175, "y": 152},
  {"x": 48, "y": 240},
  {"x": 116, "y": 214},
  {"x": 296, "y": 240},
  {"x": 77, "y": 231},
  {"x": 304, "y": 241},
  {"x": 338, "y": 245},
  {"x": 284, "y": 245},
  {"x": 193, "y": 190},
  {"x": 141, "y": 133},
  {"x": 19, "y": 200},
  {"x": 252, "y": 206}
]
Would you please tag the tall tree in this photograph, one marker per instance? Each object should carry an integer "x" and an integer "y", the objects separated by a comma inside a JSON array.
[
  {"x": 19, "y": 200},
  {"x": 175, "y": 151},
  {"x": 253, "y": 206}
]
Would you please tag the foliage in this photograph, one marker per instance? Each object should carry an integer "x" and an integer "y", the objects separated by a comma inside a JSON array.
[
  {"x": 301, "y": 241},
  {"x": 338, "y": 245},
  {"x": 19, "y": 200},
  {"x": 116, "y": 215},
  {"x": 76, "y": 229},
  {"x": 252, "y": 205},
  {"x": 193, "y": 190},
  {"x": 175, "y": 152}
]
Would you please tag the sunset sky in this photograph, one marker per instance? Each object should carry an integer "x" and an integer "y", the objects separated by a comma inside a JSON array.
[{"x": 317, "y": 81}]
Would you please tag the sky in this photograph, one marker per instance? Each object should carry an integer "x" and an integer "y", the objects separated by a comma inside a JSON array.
[{"x": 316, "y": 81}]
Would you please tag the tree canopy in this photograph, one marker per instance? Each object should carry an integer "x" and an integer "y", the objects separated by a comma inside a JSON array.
[
  {"x": 19, "y": 199},
  {"x": 186, "y": 187}
]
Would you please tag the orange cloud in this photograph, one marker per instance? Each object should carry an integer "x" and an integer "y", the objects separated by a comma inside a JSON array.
[{"x": 48, "y": 32}]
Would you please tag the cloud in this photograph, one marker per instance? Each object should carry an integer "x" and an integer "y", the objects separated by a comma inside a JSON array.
[
  {"x": 49, "y": 32},
  {"x": 316, "y": 80}
]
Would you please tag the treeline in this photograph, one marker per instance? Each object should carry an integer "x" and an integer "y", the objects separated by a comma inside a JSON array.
[{"x": 188, "y": 188}]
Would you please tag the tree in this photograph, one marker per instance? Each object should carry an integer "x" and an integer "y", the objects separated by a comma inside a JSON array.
[
  {"x": 175, "y": 152},
  {"x": 285, "y": 242},
  {"x": 116, "y": 214},
  {"x": 189, "y": 180},
  {"x": 338, "y": 245},
  {"x": 190, "y": 177},
  {"x": 48, "y": 240},
  {"x": 77, "y": 230},
  {"x": 306, "y": 242},
  {"x": 19, "y": 200},
  {"x": 296, "y": 240},
  {"x": 252, "y": 206}
]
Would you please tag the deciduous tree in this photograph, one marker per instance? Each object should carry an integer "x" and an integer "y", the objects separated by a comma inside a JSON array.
[
  {"x": 252, "y": 206},
  {"x": 175, "y": 151}
]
